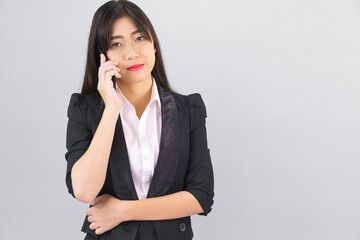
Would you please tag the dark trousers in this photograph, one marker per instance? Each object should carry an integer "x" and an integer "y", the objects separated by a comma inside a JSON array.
[{"x": 146, "y": 231}]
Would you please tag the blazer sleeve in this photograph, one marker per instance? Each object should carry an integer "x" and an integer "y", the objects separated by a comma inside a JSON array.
[
  {"x": 199, "y": 180},
  {"x": 78, "y": 135}
]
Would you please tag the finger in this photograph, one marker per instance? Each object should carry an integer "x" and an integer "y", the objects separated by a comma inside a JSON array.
[
  {"x": 101, "y": 74},
  {"x": 94, "y": 226},
  {"x": 103, "y": 69},
  {"x": 116, "y": 73},
  {"x": 111, "y": 73},
  {"x": 88, "y": 211},
  {"x": 102, "y": 59},
  {"x": 109, "y": 62},
  {"x": 99, "y": 231},
  {"x": 90, "y": 219},
  {"x": 109, "y": 67}
]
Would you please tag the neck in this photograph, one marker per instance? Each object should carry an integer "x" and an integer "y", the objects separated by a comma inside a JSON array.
[{"x": 139, "y": 93}]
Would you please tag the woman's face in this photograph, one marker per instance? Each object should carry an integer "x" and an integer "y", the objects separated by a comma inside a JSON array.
[{"x": 128, "y": 48}]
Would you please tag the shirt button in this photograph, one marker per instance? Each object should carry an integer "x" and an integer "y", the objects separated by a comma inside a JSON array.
[
  {"x": 142, "y": 139},
  {"x": 145, "y": 179}
]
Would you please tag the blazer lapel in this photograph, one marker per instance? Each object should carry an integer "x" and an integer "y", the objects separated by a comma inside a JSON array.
[
  {"x": 165, "y": 169},
  {"x": 169, "y": 146}
]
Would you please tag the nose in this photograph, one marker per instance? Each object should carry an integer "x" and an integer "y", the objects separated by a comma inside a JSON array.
[{"x": 131, "y": 51}]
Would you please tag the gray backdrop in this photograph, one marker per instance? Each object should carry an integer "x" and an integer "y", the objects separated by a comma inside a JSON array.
[{"x": 280, "y": 80}]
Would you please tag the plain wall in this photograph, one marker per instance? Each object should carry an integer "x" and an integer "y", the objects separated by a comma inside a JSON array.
[{"x": 280, "y": 80}]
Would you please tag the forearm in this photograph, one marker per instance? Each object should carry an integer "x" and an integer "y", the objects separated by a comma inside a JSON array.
[
  {"x": 89, "y": 172},
  {"x": 176, "y": 205}
]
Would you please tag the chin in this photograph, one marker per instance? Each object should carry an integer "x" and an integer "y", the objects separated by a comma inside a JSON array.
[{"x": 132, "y": 79}]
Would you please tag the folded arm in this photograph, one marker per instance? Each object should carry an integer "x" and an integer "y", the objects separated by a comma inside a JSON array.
[{"x": 176, "y": 205}]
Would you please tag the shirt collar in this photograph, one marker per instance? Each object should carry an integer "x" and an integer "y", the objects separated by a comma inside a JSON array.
[{"x": 154, "y": 95}]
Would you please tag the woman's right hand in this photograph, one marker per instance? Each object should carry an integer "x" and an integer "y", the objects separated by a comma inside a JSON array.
[{"x": 111, "y": 97}]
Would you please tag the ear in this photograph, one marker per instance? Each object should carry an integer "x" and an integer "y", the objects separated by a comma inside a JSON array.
[{"x": 154, "y": 50}]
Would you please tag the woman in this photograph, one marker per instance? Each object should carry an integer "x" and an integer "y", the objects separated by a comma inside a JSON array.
[{"x": 136, "y": 151}]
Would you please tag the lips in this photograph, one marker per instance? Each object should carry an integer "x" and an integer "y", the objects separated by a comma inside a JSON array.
[{"x": 135, "y": 67}]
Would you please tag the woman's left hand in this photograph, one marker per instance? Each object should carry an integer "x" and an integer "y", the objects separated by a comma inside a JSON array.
[{"x": 106, "y": 213}]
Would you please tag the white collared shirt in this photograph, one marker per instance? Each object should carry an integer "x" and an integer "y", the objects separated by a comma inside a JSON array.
[{"x": 142, "y": 138}]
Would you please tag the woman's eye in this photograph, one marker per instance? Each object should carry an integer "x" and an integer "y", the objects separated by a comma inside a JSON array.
[
  {"x": 141, "y": 38},
  {"x": 114, "y": 45}
]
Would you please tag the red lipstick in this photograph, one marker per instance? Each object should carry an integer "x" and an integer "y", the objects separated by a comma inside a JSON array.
[{"x": 135, "y": 67}]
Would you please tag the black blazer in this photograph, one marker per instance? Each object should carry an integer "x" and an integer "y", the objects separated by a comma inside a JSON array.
[{"x": 183, "y": 163}]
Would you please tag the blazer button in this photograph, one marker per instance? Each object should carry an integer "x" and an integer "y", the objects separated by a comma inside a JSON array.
[{"x": 182, "y": 227}]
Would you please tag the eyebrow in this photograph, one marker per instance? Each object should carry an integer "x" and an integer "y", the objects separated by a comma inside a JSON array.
[{"x": 120, "y": 36}]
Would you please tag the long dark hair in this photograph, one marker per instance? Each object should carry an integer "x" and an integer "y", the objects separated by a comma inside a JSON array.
[{"x": 100, "y": 34}]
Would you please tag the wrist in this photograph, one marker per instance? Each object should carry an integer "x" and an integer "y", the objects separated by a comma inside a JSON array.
[
  {"x": 127, "y": 213},
  {"x": 111, "y": 111}
]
